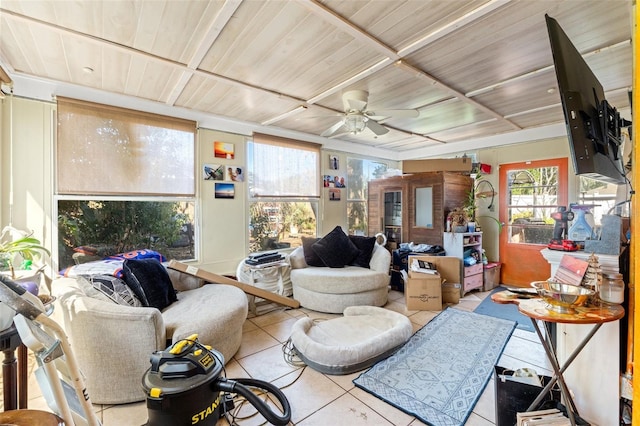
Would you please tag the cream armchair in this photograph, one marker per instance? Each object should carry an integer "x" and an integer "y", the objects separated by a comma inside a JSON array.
[
  {"x": 113, "y": 342},
  {"x": 332, "y": 290}
]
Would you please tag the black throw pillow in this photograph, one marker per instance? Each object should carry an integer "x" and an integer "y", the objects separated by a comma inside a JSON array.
[
  {"x": 365, "y": 245},
  {"x": 310, "y": 255},
  {"x": 336, "y": 249},
  {"x": 150, "y": 281}
]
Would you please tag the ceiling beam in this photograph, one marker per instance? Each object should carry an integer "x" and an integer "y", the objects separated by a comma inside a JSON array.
[
  {"x": 206, "y": 42},
  {"x": 136, "y": 52},
  {"x": 483, "y": 90},
  {"x": 452, "y": 26},
  {"x": 348, "y": 27},
  {"x": 435, "y": 82},
  {"x": 370, "y": 40}
]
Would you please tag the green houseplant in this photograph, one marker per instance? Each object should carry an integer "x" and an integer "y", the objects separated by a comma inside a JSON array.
[
  {"x": 27, "y": 247},
  {"x": 458, "y": 219}
]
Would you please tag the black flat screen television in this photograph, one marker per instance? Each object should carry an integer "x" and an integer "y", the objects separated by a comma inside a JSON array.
[{"x": 593, "y": 126}]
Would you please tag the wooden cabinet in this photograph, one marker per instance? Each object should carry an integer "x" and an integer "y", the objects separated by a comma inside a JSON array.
[
  {"x": 413, "y": 208},
  {"x": 458, "y": 244}
]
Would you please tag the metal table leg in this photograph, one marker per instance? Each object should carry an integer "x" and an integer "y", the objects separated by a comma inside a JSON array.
[{"x": 553, "y": 360}]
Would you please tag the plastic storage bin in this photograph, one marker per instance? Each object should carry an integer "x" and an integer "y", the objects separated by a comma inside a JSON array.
[{"x": 491, "y": 275}]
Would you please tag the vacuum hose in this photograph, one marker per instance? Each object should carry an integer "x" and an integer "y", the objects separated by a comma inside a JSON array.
[{"x": 239, "y": 386}]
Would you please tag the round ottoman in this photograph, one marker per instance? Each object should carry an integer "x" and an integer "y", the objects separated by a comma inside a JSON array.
[{"x": 353, "y": 342}]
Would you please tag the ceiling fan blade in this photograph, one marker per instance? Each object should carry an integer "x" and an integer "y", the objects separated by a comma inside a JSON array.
[
  {"x": 331, "y": 130},
  {"x": 377, "y": 128},
  {"x": 400, "y": 113}
]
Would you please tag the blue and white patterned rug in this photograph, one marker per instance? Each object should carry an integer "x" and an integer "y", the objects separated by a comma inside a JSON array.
[{"x": 440, "y": 373}]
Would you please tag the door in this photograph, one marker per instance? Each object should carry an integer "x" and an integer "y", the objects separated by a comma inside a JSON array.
[{"x": 532, "y": 191}]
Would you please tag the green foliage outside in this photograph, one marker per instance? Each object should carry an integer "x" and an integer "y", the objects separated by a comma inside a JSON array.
[
  {"x": 359, "y": 172},
  {"x": 119, "y": 226},
  {"x": 275, "y": 225}
]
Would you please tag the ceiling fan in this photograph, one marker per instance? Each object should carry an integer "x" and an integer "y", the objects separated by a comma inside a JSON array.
[{"x": 357, "y": 118}]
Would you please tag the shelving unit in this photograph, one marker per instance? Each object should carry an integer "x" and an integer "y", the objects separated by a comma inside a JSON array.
[{"x": 456, "y": 244}]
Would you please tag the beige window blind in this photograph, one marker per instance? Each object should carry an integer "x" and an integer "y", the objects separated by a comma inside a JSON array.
[
  {"x": 282, "y": 167},
  {"x": 114, "y": 151}
]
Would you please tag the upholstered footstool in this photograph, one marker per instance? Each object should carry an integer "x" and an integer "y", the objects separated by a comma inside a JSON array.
[{"x": 353, "y": 342}]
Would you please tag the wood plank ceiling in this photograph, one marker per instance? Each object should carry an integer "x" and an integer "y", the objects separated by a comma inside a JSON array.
[{"x": 472, "y": 69}]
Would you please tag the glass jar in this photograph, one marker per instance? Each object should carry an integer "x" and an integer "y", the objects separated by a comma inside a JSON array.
[{"x": 612, "y": 288}]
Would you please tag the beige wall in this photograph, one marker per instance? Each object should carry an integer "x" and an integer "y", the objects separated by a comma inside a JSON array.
[
  {"x": 29, "y": 125},
  {"x": 222, "y": 224}
]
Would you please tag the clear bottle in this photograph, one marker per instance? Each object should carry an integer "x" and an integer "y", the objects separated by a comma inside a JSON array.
[{"x": 612, "y": 288}]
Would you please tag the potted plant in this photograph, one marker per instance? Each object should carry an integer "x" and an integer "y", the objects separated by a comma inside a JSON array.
[
  {"x": 469, "y": 208},
  {"x": 458, "y": 219},
  {"x": 26, "y": 246}
]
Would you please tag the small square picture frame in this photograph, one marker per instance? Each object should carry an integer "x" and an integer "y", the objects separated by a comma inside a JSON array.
[{"x": 225, "y": 190}]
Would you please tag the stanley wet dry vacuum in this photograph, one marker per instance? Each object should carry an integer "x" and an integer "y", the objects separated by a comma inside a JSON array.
[{"x": 184, "y": 387}]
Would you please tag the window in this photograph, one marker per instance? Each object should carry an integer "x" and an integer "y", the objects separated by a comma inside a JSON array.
[
  {"x": 359, "y": 173},
  {"x": 601, "y": 197},
  {"x": 284, "y": 191},
  {"x": 125, "y": 181},
  {"x": 532, "y": 197}
]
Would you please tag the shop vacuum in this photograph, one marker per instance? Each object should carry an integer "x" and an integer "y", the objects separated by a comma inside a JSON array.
[{"x": 184, "y": 386}]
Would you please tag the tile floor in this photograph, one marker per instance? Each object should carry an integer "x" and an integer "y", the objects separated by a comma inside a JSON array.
[{"x": 318, "y": 399}]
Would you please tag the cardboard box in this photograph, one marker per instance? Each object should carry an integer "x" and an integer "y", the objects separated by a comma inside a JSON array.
[
  {"x": 449, "y": 267},
  {"x": 451, "y": 292},
  {"x": 438, "y": 165},
  {"x": 423, "y": 292}
]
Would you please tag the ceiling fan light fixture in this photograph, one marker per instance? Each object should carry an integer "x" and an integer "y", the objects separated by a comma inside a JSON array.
[{"x": 355, "y": 123}]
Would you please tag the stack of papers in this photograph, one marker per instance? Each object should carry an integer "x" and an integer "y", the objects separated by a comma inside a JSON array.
[{"x": 423, "y": 267}]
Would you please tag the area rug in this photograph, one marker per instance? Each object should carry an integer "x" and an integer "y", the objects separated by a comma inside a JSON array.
[
  {"x": 505, "y": 311},
  {"x": 440, "y": 373}
]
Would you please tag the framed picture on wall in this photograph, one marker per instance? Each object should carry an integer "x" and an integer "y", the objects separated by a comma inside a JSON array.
[
  {"x": 213, "y": 172},
  {"x": 334, "y": 163},
  {"x": 225, "y": 190},
  {"x": 234, "y": 173},
  {"x": 334, "y": 194},
  {"x": 223, "y": 150}
]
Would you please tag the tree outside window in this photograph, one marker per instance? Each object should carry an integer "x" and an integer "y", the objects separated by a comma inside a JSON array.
[
  {"x": 359, "y": 173},
  {"x": 284, "y": 192}
]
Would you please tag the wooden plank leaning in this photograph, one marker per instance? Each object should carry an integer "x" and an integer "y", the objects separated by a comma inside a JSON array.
[{"x": 221, "y": 279}]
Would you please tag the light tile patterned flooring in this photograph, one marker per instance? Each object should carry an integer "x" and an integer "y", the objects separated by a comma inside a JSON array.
[{"x": 319, "y": 399}]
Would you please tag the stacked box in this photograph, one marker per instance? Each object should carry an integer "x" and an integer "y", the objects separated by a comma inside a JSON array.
[
  {"x": 423, "y": 292},
  {"x": 451, "y": 292}
]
